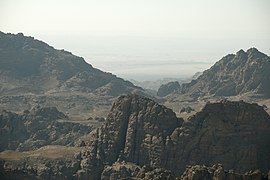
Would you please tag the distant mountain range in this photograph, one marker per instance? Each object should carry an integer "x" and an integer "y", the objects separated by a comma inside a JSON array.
[
  {"x": 28, "y": 65},
  {"x": 155, "y": 84},
  {"x": 235, "y": 74}
]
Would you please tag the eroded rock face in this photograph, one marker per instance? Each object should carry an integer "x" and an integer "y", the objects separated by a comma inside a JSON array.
[
  {"x": 236, "y": 134},
  {"x": 136, "y": 130}
]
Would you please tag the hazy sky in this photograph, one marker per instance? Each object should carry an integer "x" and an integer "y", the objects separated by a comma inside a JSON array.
[
  {"x": 196, "y": 30},
  {"x": 184, "y": 18}
]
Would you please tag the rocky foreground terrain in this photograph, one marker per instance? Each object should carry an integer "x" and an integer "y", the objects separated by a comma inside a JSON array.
[
  {"x": 39, "y": 127},
  {"x": 144, "y": 140}
]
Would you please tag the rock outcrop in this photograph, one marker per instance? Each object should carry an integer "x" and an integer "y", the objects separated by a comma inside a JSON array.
[
  {"x": 120, "y": 170},
  {"x": 48, "y": 162},
  {"x": 187, "y": 109},
  {"x": 136, "y": 130},
  {"x": 217, "y": 172},
  {"x": 123, "y": 170},
  {"x": 236, "y": 134},
  {"x": 168, "y": 88},
  {"x": 36, "y": 128}
]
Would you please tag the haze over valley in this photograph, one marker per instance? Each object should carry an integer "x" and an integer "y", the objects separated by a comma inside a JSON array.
[
  {"x": 152, "y": 58},
  {"x": 144, "y": 40}
]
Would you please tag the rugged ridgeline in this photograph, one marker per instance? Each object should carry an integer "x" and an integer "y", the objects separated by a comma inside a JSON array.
[
  {"x": 142, "y": 139},
  {"x": 31, "y": 71},
  {"x": 234, "y": 74},
  {"x": 138, "y": 130},
  {"x": 39, "y": 127},
  {"x": 31, "y": 66}
]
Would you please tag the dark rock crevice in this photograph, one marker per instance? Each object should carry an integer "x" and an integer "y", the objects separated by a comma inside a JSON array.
[{"x": 123, "y": 131}]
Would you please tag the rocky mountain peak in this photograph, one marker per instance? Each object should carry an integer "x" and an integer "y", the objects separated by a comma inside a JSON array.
[
  {"x": 134, "y": 126},
  {"x": 254, "y": 53},
  {"x": 241, "y": 55},
  {"x": 244, "y": 72},
  {"x": 240, "y": 52},
  {"x": 253, "y": 50}
]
